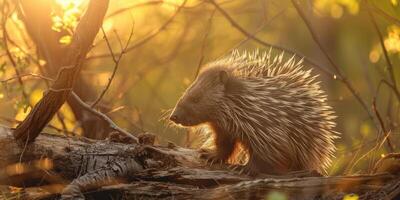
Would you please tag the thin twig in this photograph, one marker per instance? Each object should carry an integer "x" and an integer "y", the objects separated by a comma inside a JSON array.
[
  {"x": 116, "y": 62},
  {"x": 28, "y": 55},
  {"x": 385, "y": 52},
  {"x": 154, "y": 88},
  {"x": 146, "y": 39},
  {"x": 377, "y": 146},
  {"x": 387, "y": 156},
  {"x": 385, "y": 131},
  {"x": 266, "y": 44},
  {"x": 25, "y": 75},
  {"x": 119, "y": 38},
  {"x": 6, "y": 38},
  {"x": 259, "y": 29},
  {"x": 390, "y": 86},
  {"x": 103, "y": 117},
  {"x": 149, "y": 3},
  {"x": 138, "y": 5},
  {"x": 10, "y": 120},
  {"x": 357, "y": 152},
  {"x": 340, "y": 75},
  {"x": 9, "y": 55},
  {"x": 204, "y": 42},
  {"x": 384, "y": 14},
  {"x": 59, "y": 115}
]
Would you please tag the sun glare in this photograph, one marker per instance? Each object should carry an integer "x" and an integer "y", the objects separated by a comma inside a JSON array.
[
  {"x": 170, "y": 4},
  {"x": 68, "y": 4},
  {"x": 67, "y": 18}
]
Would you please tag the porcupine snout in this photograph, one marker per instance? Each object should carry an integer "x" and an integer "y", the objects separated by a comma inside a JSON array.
[
  {"x": 183, "y": 115},
  {"x": 178, "y": 115},
  {"x": 175, "y": 117}
]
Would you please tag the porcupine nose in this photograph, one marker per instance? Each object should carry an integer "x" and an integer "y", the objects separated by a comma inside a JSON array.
[
  {"x": 174, "y": 118},
  {"x": 177, "y": 115}
]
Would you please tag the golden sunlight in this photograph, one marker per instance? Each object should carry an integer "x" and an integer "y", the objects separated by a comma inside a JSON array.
[
  {"x": 336, "y": 7},
  {"x": 67, "y": 4},
  {"x": 392, "y": 42},
  {"x": 67, "y": 19},
  {"x": 171, "y": 4},
  {"x": 174, "y": 4},
  {"x": 243, "y": 95}
]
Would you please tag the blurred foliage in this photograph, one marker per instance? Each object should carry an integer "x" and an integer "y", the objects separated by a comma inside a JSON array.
[
  {"x": 66, "y": 18},
  {"x": 169, "y": 45}
]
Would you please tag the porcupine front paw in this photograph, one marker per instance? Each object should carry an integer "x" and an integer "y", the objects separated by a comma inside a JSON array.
[{"x": 211, "y": 157}]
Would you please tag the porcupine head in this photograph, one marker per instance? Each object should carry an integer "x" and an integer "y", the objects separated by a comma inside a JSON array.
[{"x": 271, "y": 108}]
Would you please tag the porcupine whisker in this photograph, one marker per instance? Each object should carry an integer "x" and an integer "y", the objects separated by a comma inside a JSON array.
[
  {"x": 211, "y": 161},
  {"x": 165, "y": 114}
]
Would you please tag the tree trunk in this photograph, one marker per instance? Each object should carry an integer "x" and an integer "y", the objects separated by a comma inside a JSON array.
[
  {"x": 36, "y": 16},
  {"x": 69, "y": 68}
]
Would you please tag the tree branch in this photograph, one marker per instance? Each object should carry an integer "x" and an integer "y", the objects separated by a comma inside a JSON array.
[
  {"x": 266, "y": 44},
  {"x": 147, "y": 38},
  {"x": 116, "y": 64},
  {"x": 103, "y": 117},
  {"x": 385, "y": 52},
  {"x": 340, "y": 75}
]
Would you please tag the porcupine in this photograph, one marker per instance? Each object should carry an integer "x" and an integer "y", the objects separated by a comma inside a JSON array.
[{"x": 271, "y": 106}]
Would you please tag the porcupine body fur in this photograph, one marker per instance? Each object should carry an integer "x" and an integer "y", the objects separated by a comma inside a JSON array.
[{"x": 273, "y": 108}]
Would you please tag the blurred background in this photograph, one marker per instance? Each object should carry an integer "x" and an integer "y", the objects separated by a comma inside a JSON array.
[{"x": 162, "y": 44}]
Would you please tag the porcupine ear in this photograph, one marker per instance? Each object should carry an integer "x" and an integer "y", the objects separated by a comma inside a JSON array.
[{"x": 223, "y": 77}]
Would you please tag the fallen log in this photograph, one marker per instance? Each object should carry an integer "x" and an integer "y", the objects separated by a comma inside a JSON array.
[{"x": 78, "y": 168}]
